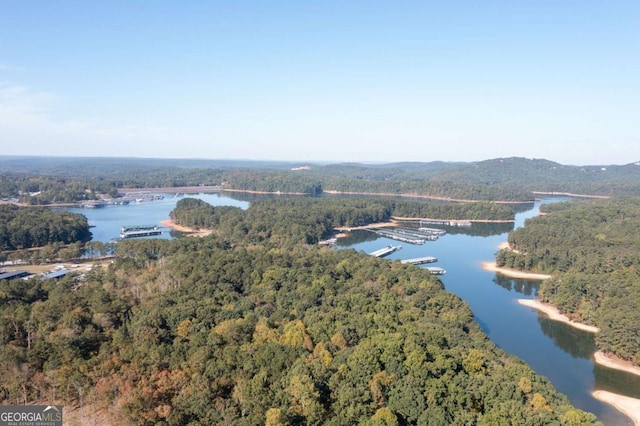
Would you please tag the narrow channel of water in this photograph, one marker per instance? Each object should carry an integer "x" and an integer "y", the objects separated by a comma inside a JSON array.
[{"x": 555, "y": 350}]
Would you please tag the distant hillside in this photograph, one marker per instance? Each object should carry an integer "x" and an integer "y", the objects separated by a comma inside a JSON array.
[
  {"x": 515, "y": 173},
  {"x": 544, "y": 175},
  {"x": 514, "y": 179}
]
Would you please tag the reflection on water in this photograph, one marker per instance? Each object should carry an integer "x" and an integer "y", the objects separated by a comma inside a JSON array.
[
  {"x": 614, "y": 380},
  {"x": 525, "y": 287},
  {"x": 577, "y": 343},
  {"x": 521, "y": 207},
  {"x": 358, "y": 236},
  {"x": 480, "y": 229}
]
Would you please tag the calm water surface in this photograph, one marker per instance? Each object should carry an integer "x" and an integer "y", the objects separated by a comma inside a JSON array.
[
  {"x": 107, "y": 221},
  {"x": 557, "y": 351}
]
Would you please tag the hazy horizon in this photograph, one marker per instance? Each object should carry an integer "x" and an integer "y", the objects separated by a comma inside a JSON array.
[{"x": 309, "y": 162}]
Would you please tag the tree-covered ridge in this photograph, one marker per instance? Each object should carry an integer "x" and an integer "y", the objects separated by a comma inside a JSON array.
[
  {"x": 315, "y": 218},
  {"x": 317, "y": 181},
  {"x": 194, "y": 331},
  {"x": 548, "y": 176},
  {"x": 42, "y": 190},
  {"x": 27, "y": 227},
  {"x": 594, "y": 249},
  {"x": 512, "y": 179}
]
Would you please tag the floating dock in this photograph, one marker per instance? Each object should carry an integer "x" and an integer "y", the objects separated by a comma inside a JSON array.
[
  {"x": 434, "y": 231},
  {"x": 139, "y": 231},
  {"x": 436, "y": 270},
  {"x": 385, "y": 251},
  {"x": 420, "y": 260}
]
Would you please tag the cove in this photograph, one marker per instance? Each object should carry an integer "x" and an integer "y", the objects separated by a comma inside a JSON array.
[{"x": 106, "y": 221}]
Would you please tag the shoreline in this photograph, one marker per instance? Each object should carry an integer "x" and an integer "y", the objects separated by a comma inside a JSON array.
[
  {"x": 169, "y": 223},
  {"x": 427, "y": 197},
  {"x": 415, "y": 219},
  {"x": 570, "y": 194},
  {"x": 513, "y": 273},
  {"x": 553, "y": 313},
  {"x": 630, "y": 407},
  {"x": 617, "y": 364}
]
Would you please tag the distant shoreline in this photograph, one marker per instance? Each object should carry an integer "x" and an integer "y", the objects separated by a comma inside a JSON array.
[
  {"x": 570, "y": 194},
  {"x": 426, "y": 197}
]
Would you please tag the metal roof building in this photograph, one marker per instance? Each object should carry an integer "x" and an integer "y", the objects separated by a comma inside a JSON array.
[{"x": 13, "y": 274}]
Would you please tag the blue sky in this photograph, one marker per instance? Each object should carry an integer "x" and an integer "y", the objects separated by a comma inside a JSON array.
[{"x": 366, "y": 81}]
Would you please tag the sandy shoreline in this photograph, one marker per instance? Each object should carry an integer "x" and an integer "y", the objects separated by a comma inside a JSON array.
[
  {"x": 628, "y": 406},
  {"x": 514, "y": 273},
  {"x": 604, "y": 360},
  {"x": 194, "y": 232},
  {"x": 555, "y": 315}
]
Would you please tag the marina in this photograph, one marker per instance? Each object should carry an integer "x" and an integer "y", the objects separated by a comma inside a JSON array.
[{"x": 410, "y": 235}]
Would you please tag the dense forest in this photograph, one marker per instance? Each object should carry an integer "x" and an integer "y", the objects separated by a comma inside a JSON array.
[
  {"x": 227, "y": 330},
  {"x": 27, "y": 227},
  {"x": 319, "y": 216},
  {"x": 592, "y": 248}
]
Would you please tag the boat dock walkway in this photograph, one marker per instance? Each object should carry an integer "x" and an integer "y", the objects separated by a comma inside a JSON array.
[{"x": 385, "y": 251}]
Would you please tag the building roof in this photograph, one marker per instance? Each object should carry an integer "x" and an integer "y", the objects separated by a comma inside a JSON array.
[
  {"x": 13, "y": 274},
  {"x": 56, "y": 274}
]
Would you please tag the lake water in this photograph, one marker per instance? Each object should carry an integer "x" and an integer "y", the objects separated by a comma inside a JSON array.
[
  {"x": 107, "y": 221},
  {"x": 561, "y": 353}
]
